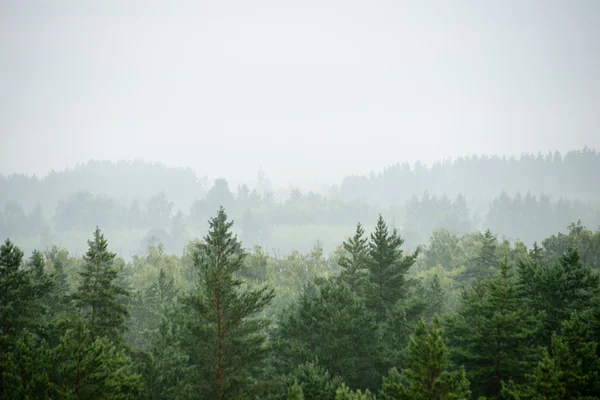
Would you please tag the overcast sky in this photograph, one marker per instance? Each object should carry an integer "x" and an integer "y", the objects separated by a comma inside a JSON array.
[{"x": 309, "y": 90}]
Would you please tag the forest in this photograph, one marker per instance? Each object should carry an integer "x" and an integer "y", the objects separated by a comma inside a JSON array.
[{"x": 471, "y": 293}]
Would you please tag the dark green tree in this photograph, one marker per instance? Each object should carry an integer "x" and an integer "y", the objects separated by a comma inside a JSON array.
[
  {"x": 355, "y": 263},
  {"x": 485, "y": 265},
  {"x": 428, "y": 375},
  {"x": 570, "y": 370},
  {"x": 388, "y": 267},
  {"x": 558, "y": 290},
  {"x": 225, "y": 341},
  {"x": 91, "y": 369},
  {"x": 334, "y": 327},
  {"x": 99, "y": 297},
  {"x": 20, "y": 302},
  {"x": 492, "y": 335}
]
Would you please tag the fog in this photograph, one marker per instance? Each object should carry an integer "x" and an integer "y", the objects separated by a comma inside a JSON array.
[
  {"x": 318, "y": 200},
  {"x": 311, "y": 91}
]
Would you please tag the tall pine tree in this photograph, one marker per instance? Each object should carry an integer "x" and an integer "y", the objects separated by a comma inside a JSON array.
[
  {"x": 99, "y": 296},
  {"x": 388, "y": 267},
  {"x": 492, "y": 335},
  {"x": 226, "y": 343},
  {"x": 428, "y": 375},
  {"x": 354, "y": 264}
]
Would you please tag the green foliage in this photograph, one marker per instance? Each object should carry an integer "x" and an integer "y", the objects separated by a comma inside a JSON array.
[
  {"x": 295, "y": 392},
  {"x": 225, "y": 343},
  {"x": 335, "y": 328},
  {"x": 387, "y": 267},
  {"x": 198, "y": 324},
  {"x": 491, "y": 335},
  {"x": 27, "y": 370},
  {"x": 354, "y": 264},
  {"x": 99, "y": 296},
  {"x": 558, "y": 290},
  {"x": 344, "y": 393},
  {"x": 428, "y": 374},
  {"x": 315, "y": 382},
  {"x": 92, "y": 369}
]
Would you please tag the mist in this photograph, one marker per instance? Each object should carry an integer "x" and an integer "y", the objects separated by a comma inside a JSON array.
[
  {"x": 281, "y": 200},
  {"x": 310, "y": 91}
]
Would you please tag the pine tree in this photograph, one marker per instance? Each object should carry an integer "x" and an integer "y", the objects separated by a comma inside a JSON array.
[
  {"x": 536, "y": 252},
  {"x": 435, "y": 297},
  {"x": 558, "y": 290},
  {"x": 99, "y": 296},
  {"x": 335, "y": 327},
  {"x": 20, "y": 302},
  {"x": 491, "y": 335},
  {"x": 387, "y": 267},
  {"x": 315, "y": 381},
  {"x": 354, "y": 265},
  {"x": 485, "y": 265},
  {"x": 26, "y": 370},
  {"x": 225, "y": 342},
  {"x": 428, "y": 374},
  {"x": 91, "y": 369},
  {"x": 570, "y": 370}
]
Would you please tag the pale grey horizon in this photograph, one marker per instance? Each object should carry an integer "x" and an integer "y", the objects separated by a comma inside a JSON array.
[{"x": 310, "y": 91}]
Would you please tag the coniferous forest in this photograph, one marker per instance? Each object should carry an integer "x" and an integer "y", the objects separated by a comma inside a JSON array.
[
  {"x": 466, "y": 314},
  {"x": 299, "y": 200}
]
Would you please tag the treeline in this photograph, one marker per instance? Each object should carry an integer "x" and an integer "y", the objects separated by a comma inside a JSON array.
[
  {"x": 571, "y": 175},
  {"x": 123, "y": 180},
  {"x": 465, "y": 317},
  {"x": 524, "y": 218}
]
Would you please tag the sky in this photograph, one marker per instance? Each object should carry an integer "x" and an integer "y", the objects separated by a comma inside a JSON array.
[{"x": 311, "y": 91}]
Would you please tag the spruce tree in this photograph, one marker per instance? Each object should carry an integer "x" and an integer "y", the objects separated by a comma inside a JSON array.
[
  {"x": 91, "y": 369},
  {"x": 226, "y": 342},
  {"x": 492, "y": 335},
  {"x": 428, "y": 375},
  {"x": 485, "y": 265},
  {"x": 569, "y": 370},
  {"x": 99, "y": 297},
  {"x": 387, "y": 267},
  {"x": 354, "y": 265},
  {"x": 558, "y": 290}
]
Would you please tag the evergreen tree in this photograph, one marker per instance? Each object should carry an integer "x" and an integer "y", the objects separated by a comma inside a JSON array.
[
  {"x": 354, "y": 265},
  {"x": 315, "y": 382},
  {"x": 435, "y": 298},
  {"x": 165, "y": 370},
  {"x": 486, "y": 263},
  {"x": 558, "y": 290},
  {"x": 20, "y": 302},
  {"x": 99, "y": 296},
  {"x": 26, "y": 370},
  {"x": 225, "y": 342},
  {"x": 571, "y": 370},
  {"x": 387, "y": 267},
  {"x": 428, "y": 375},
  {"x": 334, "y": 327},
  {"x": 91, "y": 369},
  {"x": 492, "y": 335},
  {"x": 536, "y": 252}
]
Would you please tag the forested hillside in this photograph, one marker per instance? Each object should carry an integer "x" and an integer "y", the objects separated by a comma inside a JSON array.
[
  {"x": 466, "y": 316},
  {"x": 137, "y": 202}
]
